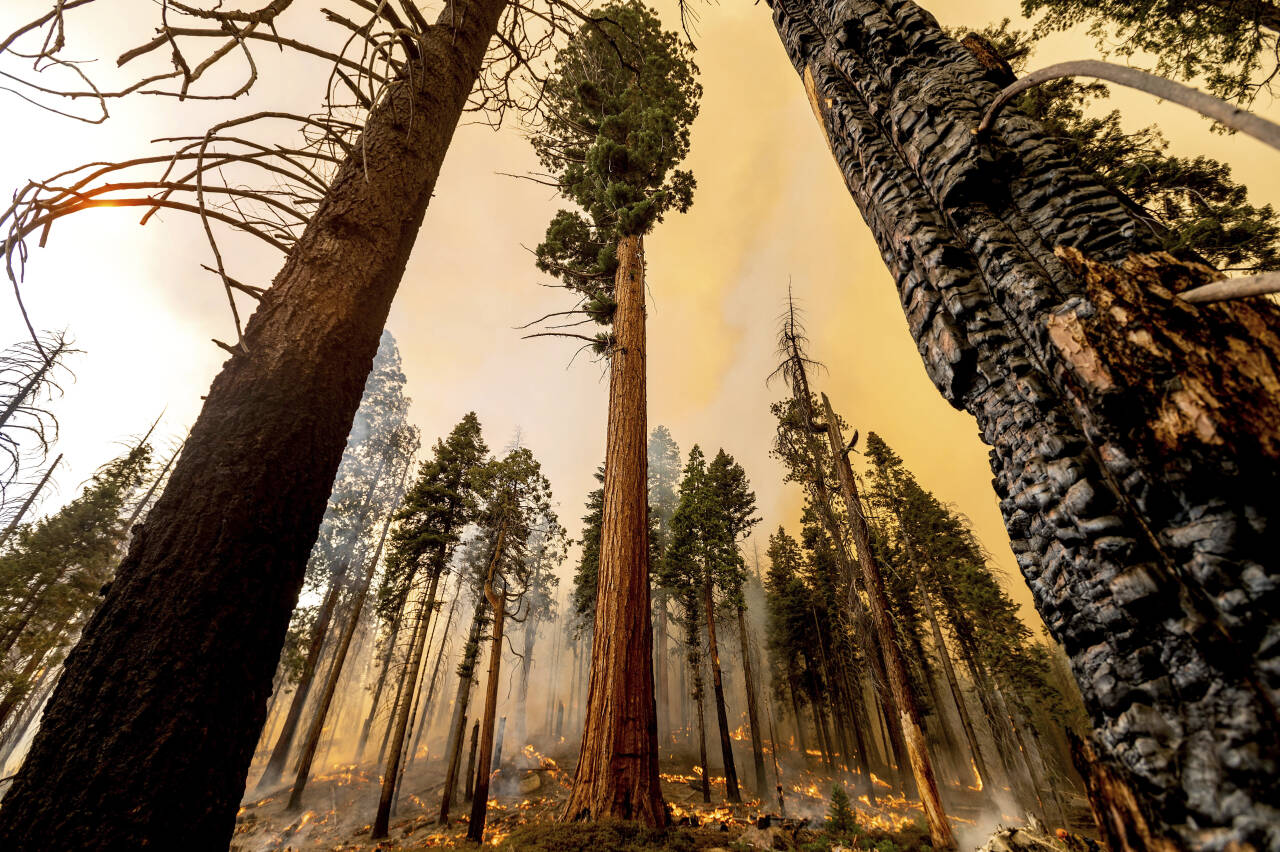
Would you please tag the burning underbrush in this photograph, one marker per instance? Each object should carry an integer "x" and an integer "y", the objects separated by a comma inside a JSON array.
[{"x": 528, "y": 794}]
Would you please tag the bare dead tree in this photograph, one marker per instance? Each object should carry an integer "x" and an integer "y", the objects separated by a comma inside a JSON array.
[{"x": 30, "y": 375}]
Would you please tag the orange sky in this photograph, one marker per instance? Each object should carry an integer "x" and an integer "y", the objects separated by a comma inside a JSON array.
[{"x": 770, "y": 207}]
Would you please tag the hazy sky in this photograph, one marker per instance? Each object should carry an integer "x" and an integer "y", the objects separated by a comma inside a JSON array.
[{"x": 770, "y": 207}]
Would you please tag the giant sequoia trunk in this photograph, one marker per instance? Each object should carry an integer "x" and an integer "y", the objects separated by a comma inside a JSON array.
[
  {"x": 149, "y": 734},
  {"x": 1135, "y": 438},
  {"x": 617, "y": 774}
]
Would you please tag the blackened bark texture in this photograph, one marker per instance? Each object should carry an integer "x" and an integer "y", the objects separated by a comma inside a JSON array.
[
  {"x": 904, "y": 694},
  {"x": 1134, "y": 437},
  {"x": 148, "y": 737},
  {"x": 717, "y": 689},
  {"x": 617, "y": 774}
]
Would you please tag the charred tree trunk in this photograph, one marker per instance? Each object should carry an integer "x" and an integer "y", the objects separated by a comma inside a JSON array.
[
  {"x": 717, "y": 688},
  {"x": 201, "y": 602},
  {"x": 753, "y": 712},
  {"x": 395, "y": 753},
  {"x": 484, "y": 760},
  {"x": 896, "y": 668},
  {"x": 1134, "y": 438},
  {"x": 617, "y": 774},
  {"x": 795, "y": 711}
]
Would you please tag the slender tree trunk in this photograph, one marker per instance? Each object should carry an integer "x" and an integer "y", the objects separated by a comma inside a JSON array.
[
  {"x": 275, "y": 767},
  {"x": 319, "y": 635},
  {"x": 617, "y": 773},
  {"x": 20, "y": 687},
  {"x": 795, "y": 711},
  {"x": 340, "y": 657},
  {"x": 26, "y": 504},
  {"x": 753, "y": 712},
  {"x": 522, "y": 694},
  {"x": 660, "y": 685},
  {"x": 700, "y": 700},
  {"x": 32, "y": 384},
  {"x": 435, "y": 671},
  {"x": 717, "y": 687},
  {"x": 470, "y": 785},
  {"x": 202, "y": 600},
  {"x": 458, "y": 725},
  {"x": 384, "y": 666},
  {"x": 484, "y": 768},
  {"x": 1131, "y": 433},
  {"x": 391, "y": 774},
  {"x": 903, "y": 694}
]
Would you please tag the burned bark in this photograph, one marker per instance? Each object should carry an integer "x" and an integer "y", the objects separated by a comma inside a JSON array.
[
  {"x": 148, "y": 736},
  {"x": 1134, "y": 439}
]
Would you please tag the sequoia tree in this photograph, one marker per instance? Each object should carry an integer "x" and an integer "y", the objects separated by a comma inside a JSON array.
[
  {"x": 619, "y": 102},
  {"x": 1134, "y": 441},
  {"x": 202, "y": 601}
]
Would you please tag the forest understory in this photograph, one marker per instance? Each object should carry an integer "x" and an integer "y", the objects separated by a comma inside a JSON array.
[{"x": 530, "y": 788}]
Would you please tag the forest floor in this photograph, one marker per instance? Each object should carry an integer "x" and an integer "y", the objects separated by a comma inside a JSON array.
[{"x": 529, "y": 791}]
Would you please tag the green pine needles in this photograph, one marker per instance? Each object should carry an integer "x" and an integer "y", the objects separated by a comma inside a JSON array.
[{"x": 618, "y": 107}]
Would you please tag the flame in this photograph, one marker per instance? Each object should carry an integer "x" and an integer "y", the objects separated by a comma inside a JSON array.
[
  {"x": 976, "y": 776},
  {"x": 879, "y": 783},
  {"x": 739, "y": 733}
]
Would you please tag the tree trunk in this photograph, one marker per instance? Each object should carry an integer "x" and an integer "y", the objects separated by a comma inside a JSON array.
[
  {"x": 458, "y": 724},
  {"x": 470, "y": 788},
  {"x": 700, "y": 701},
  {"x": 319, "y": 636},
  {"x": 274, "y": 769},
  {"x": 522, "y": 695},
  {"x": 340, "y": 657},
  {"x": 795, "y": 710},
  {"x": 395, "y": 754},
  {"x": 753, "y": 712},
  {"x": 717, "y": 687},
  {"x": 484, "y": 766},
  {"x": 201, "y": 603},
  {"x": 1134, "y": 436},
  {"x": 384, "y": 667},
  {"x": 617, "y": 774},
  {"x": 896, "y": 668},
  {"x": 660, "y": 685}
]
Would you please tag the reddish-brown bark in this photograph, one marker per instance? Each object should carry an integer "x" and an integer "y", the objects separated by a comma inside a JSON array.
[{"x": 617, "y": 774}]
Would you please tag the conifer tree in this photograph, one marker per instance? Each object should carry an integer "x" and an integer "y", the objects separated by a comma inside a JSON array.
[
  {"x": 1229, "y": 44},
  {"x": 1192, "y": 203},
  {"x": 619, "y": 102},
  {"x": 54, "y": 571},
  {"x": 439, "y": 505}
]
